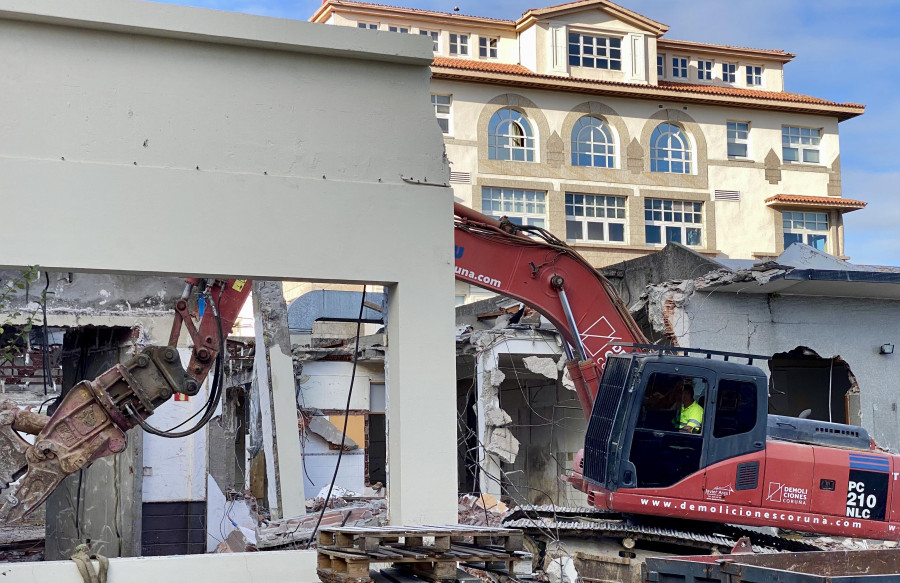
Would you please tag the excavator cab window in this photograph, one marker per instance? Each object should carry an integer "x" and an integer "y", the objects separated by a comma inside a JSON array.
[{"x": 668, "y": 440}]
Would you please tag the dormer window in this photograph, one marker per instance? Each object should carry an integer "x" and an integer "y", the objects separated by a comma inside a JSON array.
[
  {"x": 729, "y": 71},
  {"x": 679, "y": 67},
  {"x": 754, "y": 75},
  {"x": 596, "y": 52},
  {"x": 487, "y": 47},
  {"x": 459, "y": 44}
]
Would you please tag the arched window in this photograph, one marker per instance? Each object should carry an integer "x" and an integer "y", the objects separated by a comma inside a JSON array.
[
  {"x": 670, "y": 150},
  {"x": 592, "y": 143},
  {"x": 510, "y": 137}
]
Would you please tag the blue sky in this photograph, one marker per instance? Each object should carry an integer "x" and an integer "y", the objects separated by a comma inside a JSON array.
[{"x": 846, "y": 51}]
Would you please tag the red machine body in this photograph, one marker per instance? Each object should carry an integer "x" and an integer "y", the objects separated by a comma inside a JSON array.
[{"x": 837, "y": 490}]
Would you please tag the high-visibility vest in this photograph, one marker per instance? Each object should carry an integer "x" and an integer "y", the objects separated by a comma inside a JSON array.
[{"x": 691, "y": 416}]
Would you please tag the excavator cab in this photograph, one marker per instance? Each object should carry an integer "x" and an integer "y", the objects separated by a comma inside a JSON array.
[{"x": 659, "y": 419}]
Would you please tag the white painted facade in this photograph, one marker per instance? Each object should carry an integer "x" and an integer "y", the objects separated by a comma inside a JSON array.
[{"x": 147, "y": 130}]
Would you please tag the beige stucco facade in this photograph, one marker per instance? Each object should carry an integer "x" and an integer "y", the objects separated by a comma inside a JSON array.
[{"x": 631, "y": 99}]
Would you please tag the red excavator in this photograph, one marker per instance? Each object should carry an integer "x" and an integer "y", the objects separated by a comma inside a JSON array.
[{"x": 729, "y": 462}]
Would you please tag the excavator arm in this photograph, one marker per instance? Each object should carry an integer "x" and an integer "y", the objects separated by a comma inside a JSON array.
[{"x": 531, "y": 265}]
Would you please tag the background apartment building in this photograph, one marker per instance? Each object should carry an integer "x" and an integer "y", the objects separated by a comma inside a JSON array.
[{"x": 581, "y": 118}]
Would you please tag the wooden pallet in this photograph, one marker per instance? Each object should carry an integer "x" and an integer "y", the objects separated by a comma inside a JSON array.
[{"x": 345, "y": 554}]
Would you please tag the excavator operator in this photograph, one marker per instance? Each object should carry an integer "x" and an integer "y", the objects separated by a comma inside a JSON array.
[{"x": 690, "y": 417}]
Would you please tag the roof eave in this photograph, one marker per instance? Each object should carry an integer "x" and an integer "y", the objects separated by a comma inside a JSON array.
[
  {"x": 641, "y": 92},
  {"x": 380, "y": 10},
  {"x": 763, "y": 54},
  {"x": 831, "y": 205}
]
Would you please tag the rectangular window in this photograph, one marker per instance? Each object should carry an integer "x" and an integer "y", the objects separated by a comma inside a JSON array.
[
  {"x": 397, "y": 28},
  {"x": 435, "y": 38},
  {"x": 459, "y": 44},
  {"x": 595, "y": 217},
  {"x": 442, "y": 105},
  {"x": 367, "y": 25},
  {"x": 596, "y": 52},
  {"x": 660, "y": 66},
  {"x": 668, "y": 221},
  {"x": 522, "y": 207},
  {"x": 754, "y": 76},
  {"x": 738, "y": 138},
  {"x": 680, "y": 67},
  {"x": 729, "y": 72},
  {"x": 800, "y": 144},
  {"x": 487, "y": 47},
  {"x": 705, "y": 70},
  {"x": 809, "y": 228}
]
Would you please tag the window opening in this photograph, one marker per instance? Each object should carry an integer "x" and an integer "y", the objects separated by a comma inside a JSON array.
[
  {"x": 800, "y": 144},
  {"x": 738, "y": 138},
  {"x": 680, "y": 67},
  {"x": 705, "y": 70},
  {"x": 735, "y": 408},
  {"x": 522, "y": 207},
  {"x": 803, "y": 227},
  {"x": 595, "y": 217},
  {"x": 667, "y": 221},
  {"x": 459, "y": 44},
  {"x": 510, "y": 137},
  {"x": 670, "y": 150},
  {"x": 487, "y": 47},
  {"x": 597, "y": 52},
  {"x": 592, "y": 143},
  {"x": 729, "y": 72},
  {"x": 442, "y": 104},
  {"x": 754, "y": 75}
]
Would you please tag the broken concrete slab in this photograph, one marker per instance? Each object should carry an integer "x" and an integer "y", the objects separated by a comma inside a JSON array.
[
  {"x": 299, "y": 530},
  {"x": 503, "y": 444},
  {"x": 497, "y": 418},
  {"x": 542, "y": 365},
  {"x": 325, "y": 429}
]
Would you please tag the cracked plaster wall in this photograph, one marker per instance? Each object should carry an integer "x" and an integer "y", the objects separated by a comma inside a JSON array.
[{"x": 853, "y": 328}]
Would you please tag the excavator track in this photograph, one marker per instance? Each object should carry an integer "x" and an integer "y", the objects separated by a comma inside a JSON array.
[{"x": 555, "y": 523}]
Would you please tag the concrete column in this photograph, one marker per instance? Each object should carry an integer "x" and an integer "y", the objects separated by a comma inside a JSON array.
[
  {"x": 488, "y": 394},
  {"x": 278, "y": 402},
  {"x": 421, "y": 417}
]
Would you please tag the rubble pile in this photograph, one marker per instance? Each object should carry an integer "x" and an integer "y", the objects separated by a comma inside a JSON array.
[
  {"x": 481, "y": 510},
  {"x": 342, "y": 512}
]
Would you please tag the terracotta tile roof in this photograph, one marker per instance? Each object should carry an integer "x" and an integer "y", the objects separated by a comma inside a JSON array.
[
  {"x": 355, "y": 4},
  {"x": 687, "y": 88},
  {"x": 823, "y": 201},
  {"x": 667, "y": 42},
  {"x": 471, "y": 65},
  {"x": 755, "y": 93}
]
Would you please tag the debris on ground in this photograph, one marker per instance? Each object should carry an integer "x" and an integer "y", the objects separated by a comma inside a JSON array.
[
  {"x": 480, "y": 510},
  {"x": 342, "y": 512}
]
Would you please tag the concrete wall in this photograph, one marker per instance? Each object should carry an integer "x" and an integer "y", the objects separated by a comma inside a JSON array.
[
  {"x": 851, "y": 328},
  {"x": 271, "y": 567},
  {"x": 148, "y": 131}
]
